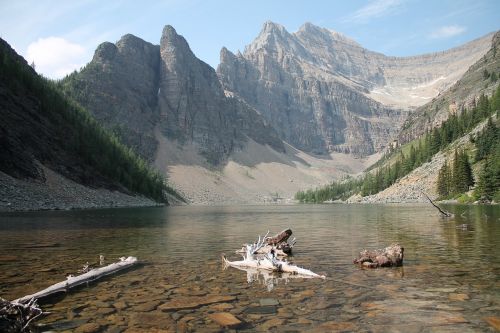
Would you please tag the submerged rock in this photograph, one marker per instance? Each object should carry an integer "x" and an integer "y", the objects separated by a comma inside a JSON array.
[
  {"x": 194, "y": 302},
  {"x": 225, "y": 319}
]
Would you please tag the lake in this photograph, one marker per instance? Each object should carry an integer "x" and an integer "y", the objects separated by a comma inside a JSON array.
[{"x": 450, "y": 280}]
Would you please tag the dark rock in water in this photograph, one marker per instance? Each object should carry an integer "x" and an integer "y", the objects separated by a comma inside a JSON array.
[{"x": 390, "y": 256}]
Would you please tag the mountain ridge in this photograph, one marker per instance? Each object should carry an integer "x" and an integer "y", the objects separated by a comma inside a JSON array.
[{"x": 207, "y": 118}]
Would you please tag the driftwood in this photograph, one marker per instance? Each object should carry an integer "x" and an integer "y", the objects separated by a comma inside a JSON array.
[
  {"x": 390, "y": 256},
  {"x": 74, "y": 281},
  {"x": 443, "y": 212},
  {"x": 267, "y": 261},
  {"x": 17, "y": 317},
  {"x": 280, "y": 243}
]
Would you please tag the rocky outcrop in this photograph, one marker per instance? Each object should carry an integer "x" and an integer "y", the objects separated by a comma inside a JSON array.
[
  {"x": 135, "y": 87},
  {"x": 323, "y": 92}
]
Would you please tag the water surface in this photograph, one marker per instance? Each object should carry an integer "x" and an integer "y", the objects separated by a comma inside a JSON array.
[{"x": 450, "y": 280}]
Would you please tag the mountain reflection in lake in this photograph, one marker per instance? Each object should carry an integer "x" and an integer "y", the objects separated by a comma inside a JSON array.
[{"x": 450, "y": 280}]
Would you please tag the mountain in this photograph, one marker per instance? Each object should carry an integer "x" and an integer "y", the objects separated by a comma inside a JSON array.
[
  {"x": 457, "y": 134},
  {"x": 323, "y": 92},
  {"x": 142, "y": 91},
  {"x": 54, "y": 155},
  {"x": 295, "y": 110},
  {"x": 480, "y": 78}
]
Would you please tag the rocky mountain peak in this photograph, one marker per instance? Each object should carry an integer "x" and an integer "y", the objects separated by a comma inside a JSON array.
[
  {"x": 172, "y": 42},
  {"x": 226, "y": 55},
  {"x": 272, "y": 37},
  {"x": 105, "y": 51},
  {"x": 272, "y": 27}
]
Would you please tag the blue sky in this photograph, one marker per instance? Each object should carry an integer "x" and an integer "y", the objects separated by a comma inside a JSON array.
[{"x": 62, "y": 35}]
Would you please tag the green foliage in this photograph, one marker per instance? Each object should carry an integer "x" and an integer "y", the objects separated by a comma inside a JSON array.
[
  {"x": 96, "y": 146},
  {"x": 444, "y": 181},
  {"x": 456, "y": 179},
  {"x": 489, "y": 179},
  {"x": 486, "y": 140},
  {"x": 335, "y": 191}
]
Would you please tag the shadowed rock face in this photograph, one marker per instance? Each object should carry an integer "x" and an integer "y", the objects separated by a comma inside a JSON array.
[
  {"x": 135, "y": 87},
  {"x": 119, "y": 86},
  {"x": 324, "y": 92}
]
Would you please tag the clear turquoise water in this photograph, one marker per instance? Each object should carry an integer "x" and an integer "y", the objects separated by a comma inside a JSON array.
[{"x": 450, "y": 280}]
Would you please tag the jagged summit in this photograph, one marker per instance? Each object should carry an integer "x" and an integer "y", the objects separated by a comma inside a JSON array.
[
  {"x": 324, "y": 92},
  {"x": 272, "y": 27},
  {"x": 151, "y": 92},
  {"x": 171, "y": 41}
]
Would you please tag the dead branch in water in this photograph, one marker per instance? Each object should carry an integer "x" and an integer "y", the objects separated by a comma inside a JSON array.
[{"x": 442, "y": 211}]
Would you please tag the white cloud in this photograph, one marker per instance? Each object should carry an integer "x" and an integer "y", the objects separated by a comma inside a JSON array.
[
  {"x": 374, "y": 9},
  {"x": 448, "y": 31},
  {"x": 55, "y": 57}
]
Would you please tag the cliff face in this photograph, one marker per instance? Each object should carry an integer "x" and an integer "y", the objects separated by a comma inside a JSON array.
[
  {"x": 323, "y": 92},
  {"x": 135, "y": 87}
]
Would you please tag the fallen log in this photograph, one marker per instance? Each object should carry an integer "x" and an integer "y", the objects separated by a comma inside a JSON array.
[
  {"x": 390, "y": 256},
  {"x": 74, "y": 281}
]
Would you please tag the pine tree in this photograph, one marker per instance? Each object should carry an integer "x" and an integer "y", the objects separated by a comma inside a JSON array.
[
  {"x": 444, "y": 180},
  {"x": 489, "y": 181}
]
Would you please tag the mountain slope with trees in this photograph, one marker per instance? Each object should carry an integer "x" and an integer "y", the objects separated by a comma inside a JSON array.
[
  {"x": 455, "y": 176},
  {"x": 43, "y": 130}
]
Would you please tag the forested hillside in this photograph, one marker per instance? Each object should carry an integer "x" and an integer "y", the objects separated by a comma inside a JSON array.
[{"x": 42, "y": 127}]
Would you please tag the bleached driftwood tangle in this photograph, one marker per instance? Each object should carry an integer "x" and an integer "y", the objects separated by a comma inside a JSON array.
[
  {"x": 267, "y": 261},
  {"x": 74, "y": 281},
  {"x": 280, "y": 243}
]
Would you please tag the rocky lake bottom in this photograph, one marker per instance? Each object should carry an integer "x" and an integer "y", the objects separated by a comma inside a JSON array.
[{"x": 450, "y": 280}]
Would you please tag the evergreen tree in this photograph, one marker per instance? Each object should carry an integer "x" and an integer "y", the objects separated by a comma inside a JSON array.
[
  {"x": 489, "y": 181},
  {"x": 444, "y": 180}
]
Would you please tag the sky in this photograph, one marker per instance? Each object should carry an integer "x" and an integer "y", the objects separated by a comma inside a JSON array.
[{"x": 61, "y": 36}]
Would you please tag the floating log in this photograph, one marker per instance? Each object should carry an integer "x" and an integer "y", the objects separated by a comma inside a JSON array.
[
  {"x": 390, "y": 256},
  {"x": 73, "y": 281}
]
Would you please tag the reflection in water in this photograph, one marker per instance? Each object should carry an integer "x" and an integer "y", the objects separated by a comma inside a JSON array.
[
  {"x": 269, "y": 279},
  {"x": 451, "y": 279}
]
